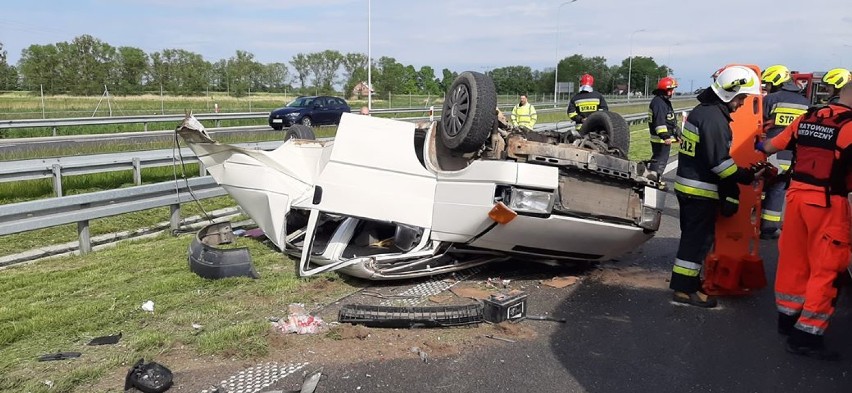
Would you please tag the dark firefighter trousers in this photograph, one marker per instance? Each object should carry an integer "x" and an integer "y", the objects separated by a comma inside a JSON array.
[
  {"x": 659, "y": 157},
  {"x": 697, "y": 235}
]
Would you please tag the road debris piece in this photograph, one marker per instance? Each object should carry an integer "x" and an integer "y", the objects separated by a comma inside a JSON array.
[
  {"x": 505, "y": 306},
  {"x": 470, "y": 292},
  {"x": 491, "y": 336},
  {"x": 546, "y": 318},
  {"x": 423, "y": 355},
  {"x": 149, "y": 377},
  {"x": 59, "y": 356},
  {"x": 104, "y": 340},
  {"x": 561, "y": 282},
  {"x": 148, "y": 306},
  {"x": 300, "y": 322},
  {"x": 410, "y": 317},
  {"x": 440, "y": 299}
]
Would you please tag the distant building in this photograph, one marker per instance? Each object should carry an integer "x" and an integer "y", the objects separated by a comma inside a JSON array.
[
  {"x": 361, "y": 90},
  {"x": 619, "y": 89}
]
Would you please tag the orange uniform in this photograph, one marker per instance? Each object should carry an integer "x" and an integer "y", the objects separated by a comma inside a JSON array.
[{"x": 814, "y": 247}]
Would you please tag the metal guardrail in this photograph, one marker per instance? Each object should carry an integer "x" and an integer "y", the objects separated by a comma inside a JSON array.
[
  {"x": 56, "y": 168},
  {"x": 218, "y": 117},
  {"x": 45, "y": 213}
]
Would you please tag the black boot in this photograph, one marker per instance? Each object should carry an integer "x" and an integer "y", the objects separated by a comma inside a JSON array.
[
  {"x": 810, "y": 345},
  {"x": 786, "y": 322}
]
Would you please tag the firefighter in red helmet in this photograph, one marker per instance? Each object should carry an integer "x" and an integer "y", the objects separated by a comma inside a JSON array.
[
  {"x": 586, "y": 102},
  {"x": 662, "y": 124}
]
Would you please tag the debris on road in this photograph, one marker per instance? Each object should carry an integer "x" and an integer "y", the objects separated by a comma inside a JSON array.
[
  {"x": 491, "y": 336},
  {"x": 561, "y": 282},
  {"x": 149, "y": 377},
  {"x": 440, "y": 299},
  {"x": 505, "y": 306},
  {"x": 300, "y": 322},
  {"x": 546, "y": 318},
  {"x": 470, "y": 292},
  {"x": 423, "y": 355}
]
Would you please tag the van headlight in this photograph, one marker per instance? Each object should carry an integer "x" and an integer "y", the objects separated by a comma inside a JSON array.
[{"x": 530, "y": 201}]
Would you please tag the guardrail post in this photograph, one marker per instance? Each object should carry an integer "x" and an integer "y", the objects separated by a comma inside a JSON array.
[
  {"x": 145, "y": 126},
  {"x": 202, "y": 170},
  {"x": 57, "y": 179},
  {"x": 54, "y": 131},
  {"x": 84, "y": 236},
  {"x": 218, "y": 123},
  {"x": 174, "y": 219},
  {"x": 137, "y": 171}
]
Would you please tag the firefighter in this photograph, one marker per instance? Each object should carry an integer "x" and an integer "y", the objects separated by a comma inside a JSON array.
[
  {"x": 781, "y": 106},
  {"x": 523, "y": 114},
  {"x": 834, "y": 79},
  {"x": 707, "y": 177},
  {"x": 586, "y": 102},
  {"x": 814, "y": 246},
  {"x": 662, "y": 125}
]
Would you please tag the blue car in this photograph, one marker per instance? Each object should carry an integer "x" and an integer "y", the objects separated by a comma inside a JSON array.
[{"x": 309, "y": 111}]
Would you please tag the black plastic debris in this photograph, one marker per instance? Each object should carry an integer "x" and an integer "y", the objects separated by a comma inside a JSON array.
[
  {"x": 59, "y": 356},
  {"x": 148, "y": 377},
  {"x": 409, "y": 317},
  {"x": 105, "y": 340},
  {"x": 210, "y": 262}
]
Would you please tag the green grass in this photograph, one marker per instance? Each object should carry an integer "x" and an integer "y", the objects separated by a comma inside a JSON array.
[{"x": 60, "y": 304}]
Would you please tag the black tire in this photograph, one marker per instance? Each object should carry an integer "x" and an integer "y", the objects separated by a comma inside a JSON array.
[
  {"x": 306, "y": 121},
  {"x": 469, "y": 112},
  {"x": 613, "y": 126},
  {"x": 299, "y": 131}
]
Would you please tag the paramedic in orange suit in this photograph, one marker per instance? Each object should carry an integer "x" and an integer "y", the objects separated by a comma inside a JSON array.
[{"x": 814, "y": 246}]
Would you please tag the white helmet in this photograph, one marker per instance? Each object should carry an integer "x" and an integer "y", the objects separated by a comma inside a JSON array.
[{"x": 732, "y": 81}]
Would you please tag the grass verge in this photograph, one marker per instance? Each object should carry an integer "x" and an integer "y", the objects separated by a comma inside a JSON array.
[{"x": 60, "y": 304}]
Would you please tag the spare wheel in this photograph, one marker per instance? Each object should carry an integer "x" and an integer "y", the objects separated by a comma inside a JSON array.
[{"x": 469, "y": 112}]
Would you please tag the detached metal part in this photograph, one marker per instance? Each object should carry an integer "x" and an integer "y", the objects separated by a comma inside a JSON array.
[{"x": 213, "y": 263}]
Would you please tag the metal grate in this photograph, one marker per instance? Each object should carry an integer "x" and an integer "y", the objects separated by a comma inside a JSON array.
[
  {"x": 433, "y": 286},
  {"x": 406, "y": 317},
  {"x": 254, "y": 379}
]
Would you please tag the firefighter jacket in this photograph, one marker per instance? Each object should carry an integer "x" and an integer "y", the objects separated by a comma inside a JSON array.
[
  {"x": 584, "y": 104},
  {"x": 662, "y": 122},
  {"x": 524, "y": 115},
  {"x": 780, "y": 108},
  {"x": 822, "y": 140},
  {"x": 705, "y": 167}
]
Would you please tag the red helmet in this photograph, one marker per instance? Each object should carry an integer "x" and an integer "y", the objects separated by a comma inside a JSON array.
[
  {"x": 667, "y": 83},
  {"x": 587, "y": 80}
]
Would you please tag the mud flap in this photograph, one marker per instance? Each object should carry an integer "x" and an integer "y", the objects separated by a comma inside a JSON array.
[{"x": 210, "y": 262}]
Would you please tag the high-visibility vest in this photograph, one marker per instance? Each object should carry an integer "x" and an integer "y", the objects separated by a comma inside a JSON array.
[{"x": 524, "y": 115}]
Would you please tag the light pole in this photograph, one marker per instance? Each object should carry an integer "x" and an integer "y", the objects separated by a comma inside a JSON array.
[
  {"x": 669, "y": 60},
  {"x": 556, "y": 73},
  {"x": 630, "y": 63},
  {"x": 369, "y": 60}
]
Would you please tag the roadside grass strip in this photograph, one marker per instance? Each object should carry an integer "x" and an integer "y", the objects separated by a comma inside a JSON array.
[{"x": 60, "y": 304}]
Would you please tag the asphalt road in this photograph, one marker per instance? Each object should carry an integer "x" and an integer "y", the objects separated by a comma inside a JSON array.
[{"x": 624, "y": 335}]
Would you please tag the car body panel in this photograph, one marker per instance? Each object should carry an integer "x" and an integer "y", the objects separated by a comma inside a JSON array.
[{"x": 373, "y": 172}]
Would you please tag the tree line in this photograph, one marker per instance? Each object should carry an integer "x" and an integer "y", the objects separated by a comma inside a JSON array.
[{"x": 86, "y": 64}]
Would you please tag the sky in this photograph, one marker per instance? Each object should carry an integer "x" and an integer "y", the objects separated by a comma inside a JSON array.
[{"x": 693, "y": 37}]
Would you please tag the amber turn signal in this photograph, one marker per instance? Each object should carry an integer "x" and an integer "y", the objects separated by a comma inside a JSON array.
[{"x": 501, "y": 213}]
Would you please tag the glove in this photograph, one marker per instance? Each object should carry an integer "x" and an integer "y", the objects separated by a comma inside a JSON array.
[{"x": 758, "y": 145}]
